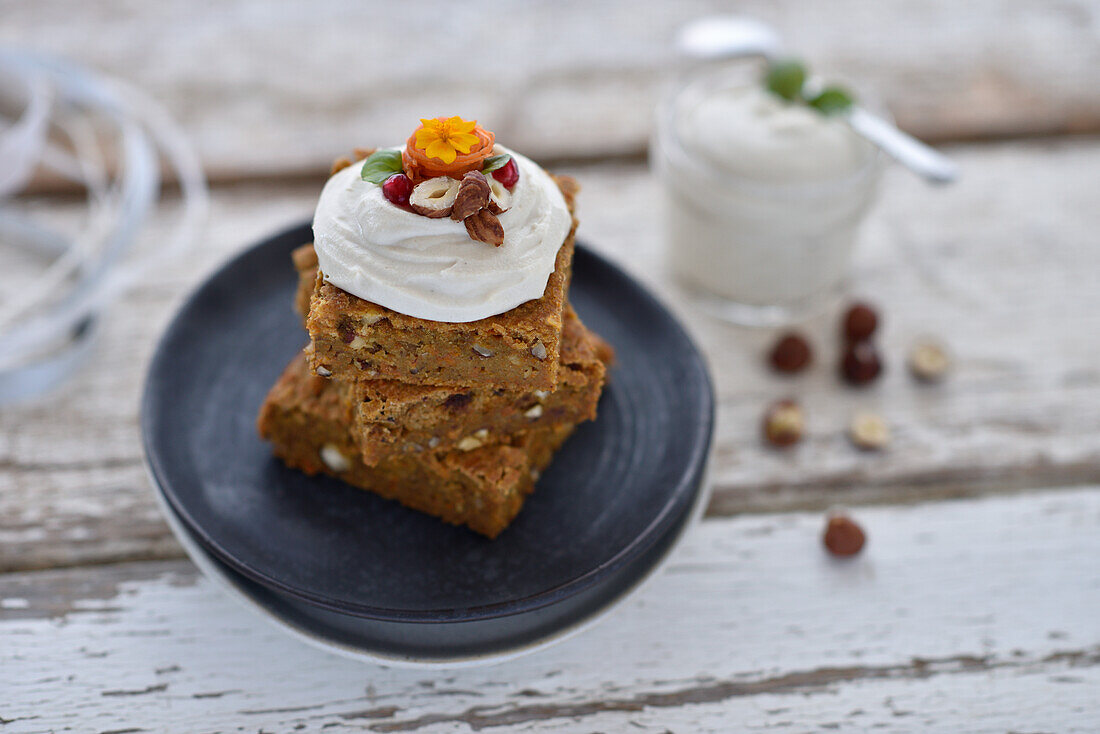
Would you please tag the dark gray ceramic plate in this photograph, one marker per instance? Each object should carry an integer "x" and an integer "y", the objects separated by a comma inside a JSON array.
[
  {"x": 405, "y": 644},
  {"x": 605, "y": 511}
]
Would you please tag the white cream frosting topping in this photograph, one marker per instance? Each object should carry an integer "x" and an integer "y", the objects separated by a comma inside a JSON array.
[
  {"x": 749, "y": 131},
  {"x": 431, "y": 268}
]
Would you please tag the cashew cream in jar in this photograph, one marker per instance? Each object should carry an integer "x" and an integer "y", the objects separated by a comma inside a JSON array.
[{"x": 762, "y": 198}]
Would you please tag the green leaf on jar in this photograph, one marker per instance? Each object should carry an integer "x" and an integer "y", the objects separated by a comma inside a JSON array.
[
  {"x": 785, "y": 78},
  {"x": 831, "y": 100}
]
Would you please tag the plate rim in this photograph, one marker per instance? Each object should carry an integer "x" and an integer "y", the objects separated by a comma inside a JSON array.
[
  {"x": 210, "y": 567},
  {"x": 687, "y": 486}
]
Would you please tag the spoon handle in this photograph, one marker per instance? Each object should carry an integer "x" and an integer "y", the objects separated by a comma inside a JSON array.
[{"x": 904, "y": 148}]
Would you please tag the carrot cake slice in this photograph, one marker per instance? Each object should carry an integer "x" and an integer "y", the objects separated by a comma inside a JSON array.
[
  {"x": 445, "y": 263},
  {"x": 308, "y": 423}
]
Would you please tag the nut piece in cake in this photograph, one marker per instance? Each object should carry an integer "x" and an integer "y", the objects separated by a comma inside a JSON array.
[
  {"x": 483, "y": 488},
  {"x": 393, "y": 417}
]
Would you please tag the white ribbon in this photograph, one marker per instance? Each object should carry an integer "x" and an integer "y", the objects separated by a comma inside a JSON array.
[{"x": 117, "y": 137}]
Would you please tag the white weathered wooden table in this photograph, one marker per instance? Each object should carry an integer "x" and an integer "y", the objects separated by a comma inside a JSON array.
[{"x": 976, "y": 604}]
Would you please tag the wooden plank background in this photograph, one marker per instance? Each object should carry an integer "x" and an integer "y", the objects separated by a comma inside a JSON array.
[
  {"x": 278, "y": 88},
  {"x": 750, "y": 627},
  {"x": 1002, "y": 267},
  {"x": 970, "y": 615}
]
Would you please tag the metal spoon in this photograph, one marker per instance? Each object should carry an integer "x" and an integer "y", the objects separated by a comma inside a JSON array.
[{"x": 721, "y": 37}]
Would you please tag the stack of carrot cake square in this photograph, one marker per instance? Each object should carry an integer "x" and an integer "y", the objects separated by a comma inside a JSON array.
[{"x": 445, "y": 365}]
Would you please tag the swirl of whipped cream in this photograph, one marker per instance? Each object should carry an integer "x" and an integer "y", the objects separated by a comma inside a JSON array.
[{"x": 431, "y": 268}]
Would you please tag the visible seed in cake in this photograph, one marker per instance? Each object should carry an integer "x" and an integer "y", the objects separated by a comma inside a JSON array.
[
  {"x": 861, "y": 363},
  {"x": 791, "y": 353},
  {"x": 860, "y": 322},
  {"x": 333, "y": 459},
  {"x": 784, "y": 423},
  {"x": 482, "y": 351},
  {"x": 542, "y": 394},
  {"x": 535, "y": 411},
  {"x": 929, "y": 361},
  {"x": 324, "y": 371},
  {"x": 433, "y": 442},
  {"x": 469, "y": 443},
  {"x": 539, "y": 350},
  {"x": 843, "y": 536},
  {"x": 482, "y": 434},
  {"x": 458, "y": 400},
  {"x": 347, "y": 333},
  {"x": 357, "y": 343},
  {"x": 371, "y": 319},
  {"x": 869, "y": 431}
]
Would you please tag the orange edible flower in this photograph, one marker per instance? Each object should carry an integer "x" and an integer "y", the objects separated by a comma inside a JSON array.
[
  {"x": 445, "y": 139},
  {"x": 446, "y": 147}
]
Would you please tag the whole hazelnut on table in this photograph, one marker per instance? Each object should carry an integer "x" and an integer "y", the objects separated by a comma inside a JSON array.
[
  {"x": 860, "y": 322},
  {"x": 843, "y": 536},
  {"x": 784, "y": 423},
  {"x": 791, "y": 353},
  {"x": 861, "y": 363}
]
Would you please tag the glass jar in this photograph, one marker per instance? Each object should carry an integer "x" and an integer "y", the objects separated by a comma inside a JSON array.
[{"x": 762, "y": 233}]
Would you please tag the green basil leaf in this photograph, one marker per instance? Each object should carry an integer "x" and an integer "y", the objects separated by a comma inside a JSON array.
[
  {"x": 786, "y": 78},
  {"x": 831, "y": 100},
  {"x": 492, "y": 163},
  {"x": 381, "y": 165}
]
